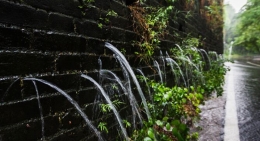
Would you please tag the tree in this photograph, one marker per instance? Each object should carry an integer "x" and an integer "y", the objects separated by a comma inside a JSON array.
[{"x": 248, "y": 29}]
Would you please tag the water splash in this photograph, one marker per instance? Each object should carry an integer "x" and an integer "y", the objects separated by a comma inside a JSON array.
[
  {"x": 130, "y": 96},
  {"x": 148, "y": 88},
  {"x": 171, "y": 62},
  {"x": 179, "y": 48},
  {"x": 167, "y": 55},
  {"x": 201, "y": 54},
  {"x": 155, "y": 63},
  {"x": 73, "y": 102},
  {"x": 110, "y": 104},
  {"x": 127, "y": 79},
  {"x": 191, "y": 63},
  {"x": 40, "y": 108},
  {"x": 196, "y": 69},
  {"x": 214, "y": 53},
  {"x": 100, "y": 63},
  {"x": 126, "y": 64},
  {"x": 206, "y": 56},
  {"x": 230, "y": 50},
  {"x": 163, "y": 65},
  {"x": 6, "y": 92}
]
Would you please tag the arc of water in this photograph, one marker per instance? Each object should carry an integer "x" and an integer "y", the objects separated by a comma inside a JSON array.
[
  {"x": 40, "y": 108},
  {"x": 148, "y": 88},
  {"x": 201, "y": 54},
  {"x": 206, "y": 56},
  {"x": 127, "y": 79},
  {"x": 130, "y": 95},
  {"x": 6, "y": 92},
  {"x": 167, "y": 55},
  {"x": 73, "y": 102},
  {"x": 158, "y": 69},
  {"x": 214, "y": 53},
  {"x": 174, "y": 73},
  {"x": 110, "y": 104},
  {"x": 100, "y": 63},
  {"x": 163, "y": 64},
  {"x": 179, "y": 48},
  {"x": 126, "y": 64},
  {"x": 203, "y": 59},
  {"x": 192, "y": 64},
  {"x": 171, "y": 61}
]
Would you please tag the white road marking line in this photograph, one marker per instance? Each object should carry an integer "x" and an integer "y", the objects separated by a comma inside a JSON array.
[{"x": 231, "y": 131}]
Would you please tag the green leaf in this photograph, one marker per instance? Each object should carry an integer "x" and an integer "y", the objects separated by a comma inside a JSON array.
[
  {"x": 168, "y": 126},
  {"x": 159, "y": 123},
  {"x": 165, "y": 118},
  {"x": 147, "y": 139},
  {"x": 176, "y": 133},
  {"x": 175, "y": 123},
  {"x": 150, "y": 133},
  {"x": 182, "y": 127},
  {"x": 184, "y": 100}
]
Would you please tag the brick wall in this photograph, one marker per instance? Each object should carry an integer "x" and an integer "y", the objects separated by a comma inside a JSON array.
[{"x": 53, "y": 40}]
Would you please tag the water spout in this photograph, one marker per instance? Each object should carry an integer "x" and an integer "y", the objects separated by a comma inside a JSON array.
[
  {"x": 130, "y": 95},
  {"x": 6, "y": 92},
  {"x": 126, "y": 64},
  {"x": 100, "y": 63},
  {"x": 206, "y": 56},
  {"x": 73, "y": 102},
  {"x": 40, "y": 108},
  {"x": 155, "y": 63},
  {"x": 127, "y": 79},
  {"x": 148, "y": 88},
  {"x": 171, "y": 62},
  {"x": 179, "y": 48},
  {"x": 230, "y": 50},
  {"x": 110, "y": 104},
  {"x": 163, "y": 65}
]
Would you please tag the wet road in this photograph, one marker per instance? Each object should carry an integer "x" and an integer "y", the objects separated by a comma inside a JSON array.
[{"x": 245, "y": 84}]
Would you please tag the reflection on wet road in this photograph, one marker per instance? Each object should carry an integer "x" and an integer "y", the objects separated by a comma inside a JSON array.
[{"x": 246, "y": 87}]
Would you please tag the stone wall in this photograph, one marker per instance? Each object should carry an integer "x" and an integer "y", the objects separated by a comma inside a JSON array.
[{"x": 56, "y": 40}]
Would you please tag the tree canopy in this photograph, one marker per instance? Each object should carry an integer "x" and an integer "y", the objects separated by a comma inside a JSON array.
[{"x": 247, "y": 34}]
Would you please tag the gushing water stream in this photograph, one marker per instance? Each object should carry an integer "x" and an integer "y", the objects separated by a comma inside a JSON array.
[
  {"x": 179, "y": 48},
  {"x": 171, "y": 62},
  {"x": 158, "y": 69},
  {"x": 6, "y": 92},
  {"x": 40, "y": 108},
  {"x": 130, "y": 96},
  {"x": 148, "y": 88},
  {"x": 206, "y": 56},
  {"x": 126, "y": 64},
  {"x": 73, "y": 102},
  {"x": 163, "y": 65},
  {"x": 110, "y": 104},
  {"x": 127, "y": 79}
]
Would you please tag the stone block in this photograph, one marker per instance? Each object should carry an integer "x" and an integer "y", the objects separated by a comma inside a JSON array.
[
  {"x": 60, "y": 23},
  {"x": 17, "y": 63},
  {"x": 21, "y": 15},
  {"x": 51, "y": 41},
  {"x": 67, "y": 7},
  {"x": 13, "y": 39}
]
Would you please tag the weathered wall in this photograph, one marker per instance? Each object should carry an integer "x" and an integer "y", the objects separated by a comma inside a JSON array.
[{"x": 54, "y": 41}]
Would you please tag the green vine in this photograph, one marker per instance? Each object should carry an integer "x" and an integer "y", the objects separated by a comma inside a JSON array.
[{"x": 150, "y": 24}]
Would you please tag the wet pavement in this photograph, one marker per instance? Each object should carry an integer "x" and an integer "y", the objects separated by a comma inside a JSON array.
[
  {"x": 247, "y": 91},
  {"x": 235, "y": 115},
  {"x": 212, "y": 121}
]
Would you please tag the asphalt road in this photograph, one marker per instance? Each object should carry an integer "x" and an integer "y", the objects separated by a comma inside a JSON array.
[{"x": 242, "y": 118}]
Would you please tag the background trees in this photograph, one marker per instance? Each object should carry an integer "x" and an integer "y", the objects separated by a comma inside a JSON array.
[{"x": 247, "y": 31}]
